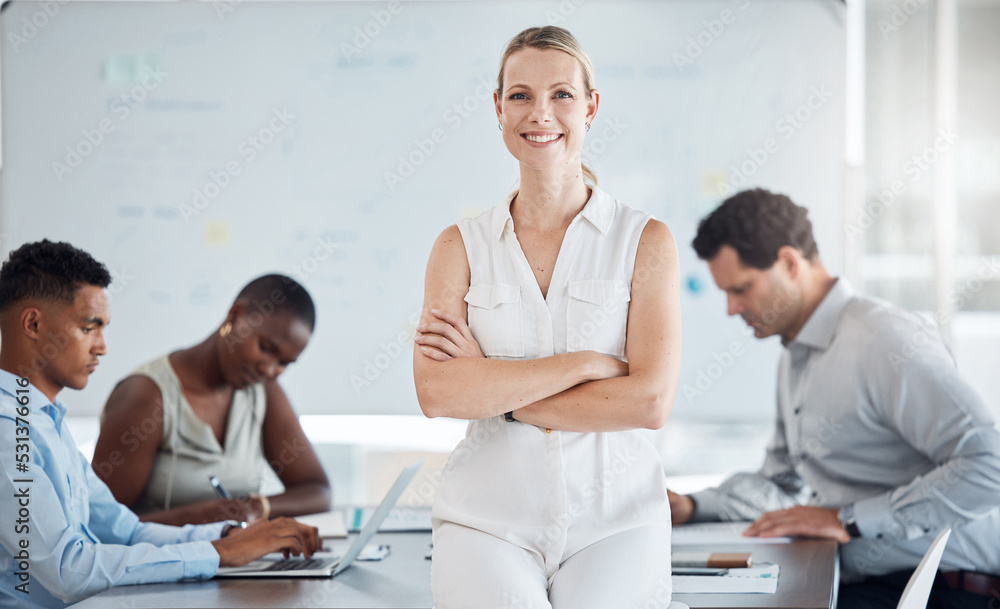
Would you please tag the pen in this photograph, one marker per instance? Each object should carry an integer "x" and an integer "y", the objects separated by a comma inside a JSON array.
[
  {"x": 698, "y": 571},
  {"x": 219, "y": 490}
]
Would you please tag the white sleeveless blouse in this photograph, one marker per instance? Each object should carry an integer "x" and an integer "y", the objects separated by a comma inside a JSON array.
[{"x": 556, "y": 492}]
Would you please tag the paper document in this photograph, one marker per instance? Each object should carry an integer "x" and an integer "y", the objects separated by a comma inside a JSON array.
[
  {"x": 374, "y": 551},
  {"x": 400, "y": 519},
  {"x": 330, "y": 524},
  {"x": 755, "y": 580},
  {"x": 704, "y": 533}
]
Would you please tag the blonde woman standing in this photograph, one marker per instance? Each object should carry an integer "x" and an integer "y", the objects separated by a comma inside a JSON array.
[{"x": 552, "y": 324}]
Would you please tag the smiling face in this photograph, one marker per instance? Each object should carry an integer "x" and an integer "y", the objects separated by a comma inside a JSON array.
[
  {"x": 543, "y": 108},
  {"x": 259, "y": 347},
  {"x": 70, "y": 338},
  {"x": 767, "y": 299}
]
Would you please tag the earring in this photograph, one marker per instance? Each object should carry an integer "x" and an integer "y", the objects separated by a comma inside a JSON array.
[
  {"x": 586, "y": 126},
  {"x": 226, "y": 329},
  {"x": 500, "y": 126}
]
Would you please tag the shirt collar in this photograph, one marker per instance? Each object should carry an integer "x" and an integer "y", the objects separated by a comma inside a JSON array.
[
  {"x": 599, "y": 211},
  {"x": 36, "y": 399},
  {"x": 821, "y": 326}
]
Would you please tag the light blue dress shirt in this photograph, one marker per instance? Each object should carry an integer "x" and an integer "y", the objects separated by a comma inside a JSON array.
[
  {"x": 873, "y": 413},
  {"x": 79, "y": 540}
]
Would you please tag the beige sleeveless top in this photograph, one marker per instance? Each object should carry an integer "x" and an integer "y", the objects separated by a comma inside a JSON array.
[{"x": 189, "y": 451}]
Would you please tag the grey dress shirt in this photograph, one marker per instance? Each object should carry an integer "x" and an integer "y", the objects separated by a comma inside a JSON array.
[{"x": 872, "y": 412}]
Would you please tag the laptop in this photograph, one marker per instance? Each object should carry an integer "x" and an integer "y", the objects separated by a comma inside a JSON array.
[{"x": 321, "y": 564}]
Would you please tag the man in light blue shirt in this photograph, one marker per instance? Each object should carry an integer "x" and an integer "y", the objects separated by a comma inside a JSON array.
[
  {"x": 64, "y": 537},
  {"x": 879, "y": 443}
]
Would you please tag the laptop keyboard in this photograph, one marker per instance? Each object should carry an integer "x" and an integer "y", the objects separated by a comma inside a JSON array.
[{"x": 301, "y": 564}]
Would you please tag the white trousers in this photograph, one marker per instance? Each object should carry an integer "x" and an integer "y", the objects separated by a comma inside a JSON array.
[{"x": 475, "y": 570}]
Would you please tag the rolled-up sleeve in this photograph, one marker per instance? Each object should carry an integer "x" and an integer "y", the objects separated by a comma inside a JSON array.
[
  {"x": 921, "y": 396},
  {"x": 745, "y": 496}
]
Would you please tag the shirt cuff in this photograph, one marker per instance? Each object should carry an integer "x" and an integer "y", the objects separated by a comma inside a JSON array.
[
  {"x": 875, "y": 518},
  {"x": 209, "y": 532},
  {"x": 707, "y": 506},
  {"x": 164, "y": 534},
  {"x": 201, "y": 561}
]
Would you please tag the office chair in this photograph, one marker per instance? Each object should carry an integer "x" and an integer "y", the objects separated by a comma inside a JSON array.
[{"x": 918, "y": 589}]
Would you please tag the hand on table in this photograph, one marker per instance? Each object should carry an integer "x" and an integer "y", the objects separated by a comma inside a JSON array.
[
  {"x": 681, "y": 507},
  {"x": 803, "y": 521},
  {"x": 284, "y": 535},
  {"x": 448, "y": 339}
]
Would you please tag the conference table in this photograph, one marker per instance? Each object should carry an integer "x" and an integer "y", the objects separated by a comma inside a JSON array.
[{"x": 808, "y": 574}]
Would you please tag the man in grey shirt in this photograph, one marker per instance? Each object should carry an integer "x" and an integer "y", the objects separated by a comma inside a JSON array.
[{"x": 879, "y": 443}]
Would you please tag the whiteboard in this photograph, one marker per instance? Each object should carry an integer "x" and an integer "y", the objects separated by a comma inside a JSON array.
[{"x": 334, "y": 141}]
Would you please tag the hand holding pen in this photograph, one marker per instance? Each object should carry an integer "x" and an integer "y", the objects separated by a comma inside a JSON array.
[
  {"x": 250, "y": 515},
  {"x": 219, "y": 489}
]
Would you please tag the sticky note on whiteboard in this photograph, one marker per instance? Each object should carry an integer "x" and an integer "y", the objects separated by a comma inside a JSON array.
[
  {"x": 129, "y": 68},
  {"x": 216, "y": 233},
  {"x": 713, "y": 182}
]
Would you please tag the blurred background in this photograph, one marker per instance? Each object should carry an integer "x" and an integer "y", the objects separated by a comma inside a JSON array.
[{"x": 192, "y": 146}]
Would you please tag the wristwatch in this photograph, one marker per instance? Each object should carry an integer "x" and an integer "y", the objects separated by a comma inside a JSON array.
[
  {"x": 232, "y": 524},
  {"x": 509, "y": 416},
  {"x": 846, "y": 517}
]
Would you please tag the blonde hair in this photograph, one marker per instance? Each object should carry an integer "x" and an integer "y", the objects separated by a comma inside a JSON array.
[{"x": 551, "y": 37}]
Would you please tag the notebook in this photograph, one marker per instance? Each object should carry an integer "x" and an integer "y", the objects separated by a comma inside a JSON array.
[{"x": 322, "y": 564}]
